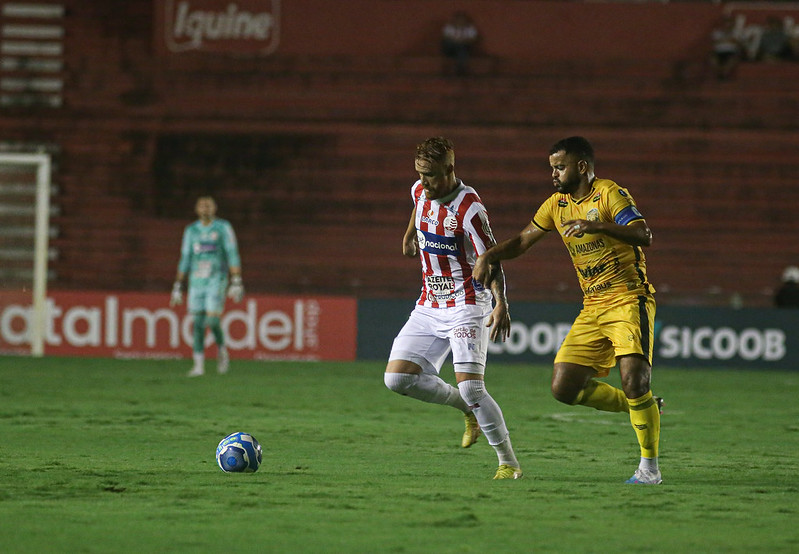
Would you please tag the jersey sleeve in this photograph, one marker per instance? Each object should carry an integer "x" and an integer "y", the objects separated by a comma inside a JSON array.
[
  {"x": 544, "y": 218},
  {"x": 416, "y": 191},
  {"x": 478, "y": 227},
  {"x": 622, "y": 207},
  {"x": 231, "y": 246},
  {"x": 185, "y": 251}
]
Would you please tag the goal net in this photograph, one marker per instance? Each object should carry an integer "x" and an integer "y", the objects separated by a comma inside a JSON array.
[{"x": 25, "y": 230}]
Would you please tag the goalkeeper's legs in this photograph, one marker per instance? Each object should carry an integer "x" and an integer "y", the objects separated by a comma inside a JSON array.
[
  {"x": 198, "y": 347},
  {"x": 222, "y": 360},
  {"x": 216, "y": 329}
]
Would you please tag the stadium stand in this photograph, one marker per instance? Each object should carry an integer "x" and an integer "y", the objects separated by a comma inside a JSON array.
[{"x": 310, "y": 158}]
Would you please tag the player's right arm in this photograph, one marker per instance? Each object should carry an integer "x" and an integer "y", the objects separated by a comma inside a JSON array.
[
  {"x": 507, "y": 250},
  {"x": 410, "y": 247},
  {"x": 183, "y": 268}
]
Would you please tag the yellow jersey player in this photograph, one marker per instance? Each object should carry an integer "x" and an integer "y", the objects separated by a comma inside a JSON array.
[{"x": 604, "y": 233}]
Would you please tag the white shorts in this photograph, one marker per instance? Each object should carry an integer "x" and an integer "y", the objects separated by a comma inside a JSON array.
[{"x": 430, "y": 333}]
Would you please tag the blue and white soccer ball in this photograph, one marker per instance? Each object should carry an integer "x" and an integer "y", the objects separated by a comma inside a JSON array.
[{"x": 239, "y": 453}]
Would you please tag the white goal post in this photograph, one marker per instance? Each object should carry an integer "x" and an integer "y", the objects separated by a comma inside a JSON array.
[{"x": 41, "y": 164}]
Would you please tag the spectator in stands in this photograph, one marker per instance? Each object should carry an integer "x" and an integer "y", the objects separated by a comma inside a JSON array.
[
  {"x": 208, "y": 253},
  {"x": 728, "y": 49},
  {"x": 774, "y": 42},
  {"x": 458, "y": 40},
  {"x": 788, "y": 294}
]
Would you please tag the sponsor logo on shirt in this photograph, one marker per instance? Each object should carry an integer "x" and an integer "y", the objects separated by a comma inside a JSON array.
[
  {"x": 585, "y": 248},
  {"x": 464, "y": 333},
  {"x": 589, "y": 272},
  {"x": 204, "y": 247},
  {"x": 440, "y": 286},
  {"x": 437, "y": 244}
]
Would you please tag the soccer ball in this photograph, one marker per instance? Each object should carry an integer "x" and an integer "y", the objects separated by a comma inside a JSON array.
[{"x": 239, "y": 453}]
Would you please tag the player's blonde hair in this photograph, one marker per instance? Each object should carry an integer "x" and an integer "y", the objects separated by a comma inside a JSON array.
[{"x": 437, "y": 150}]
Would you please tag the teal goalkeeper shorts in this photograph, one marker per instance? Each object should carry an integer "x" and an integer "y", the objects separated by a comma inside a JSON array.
[{"x": 208, "y": 298}]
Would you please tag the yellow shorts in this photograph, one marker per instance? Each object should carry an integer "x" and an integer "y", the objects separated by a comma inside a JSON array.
[{"x": 600, "y": 334}]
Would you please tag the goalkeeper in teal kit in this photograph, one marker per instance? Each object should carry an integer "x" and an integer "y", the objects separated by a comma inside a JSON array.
[{"x": 208, "y": 253}]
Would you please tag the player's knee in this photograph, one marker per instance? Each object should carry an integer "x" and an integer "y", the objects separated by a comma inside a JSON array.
[
  {"x": 564, "y": 394},
  {"x": 636, "y": 375},
  {"x": 399, "y": 382},
  {"x": 472, "y": 391}
]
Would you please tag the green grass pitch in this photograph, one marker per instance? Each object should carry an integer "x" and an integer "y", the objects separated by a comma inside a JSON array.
[{"x": 108, "y": 456}]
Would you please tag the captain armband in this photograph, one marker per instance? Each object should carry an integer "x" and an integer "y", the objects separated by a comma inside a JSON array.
[{"x": 628, "y": 214}]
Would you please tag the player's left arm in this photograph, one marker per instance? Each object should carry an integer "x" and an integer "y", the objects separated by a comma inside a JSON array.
[
  {"x": 620, "y": 220},
  {"x": 499, "y": 320},
  {"x": 235, "y": 290},
  {"x": 482, "y": 237},
  {"x": 635, "y": 233}
]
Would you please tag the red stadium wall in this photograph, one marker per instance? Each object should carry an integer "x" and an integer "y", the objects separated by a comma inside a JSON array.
[
  {"x": 517, "y": 29},
  {"x": 307, "y": 147}
]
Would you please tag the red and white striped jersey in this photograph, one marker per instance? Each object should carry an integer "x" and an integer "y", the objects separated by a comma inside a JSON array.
[{"x": 452, "y": 232}]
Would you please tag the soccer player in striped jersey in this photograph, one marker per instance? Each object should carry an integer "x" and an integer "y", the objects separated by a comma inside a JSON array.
[
  {"x": 208, "y": 252},
  {"x": 448, "y": 230},
  {"x": 604, "y": 233}
]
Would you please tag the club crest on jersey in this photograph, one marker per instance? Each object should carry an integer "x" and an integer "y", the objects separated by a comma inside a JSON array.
[
  {"x": 592, "y": 215},
  {"x": 450, "y": 223},
  {"x": 437, "y": 244}
]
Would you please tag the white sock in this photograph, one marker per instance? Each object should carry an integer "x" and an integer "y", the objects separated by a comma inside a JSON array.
[
  {"x": 428, "y": 388},
  {"x": 199, "y": 359},
  {"x": 489, "y": 416},
  {"x": 505, "y": 453},
  {"x": 650, "y": 464}
]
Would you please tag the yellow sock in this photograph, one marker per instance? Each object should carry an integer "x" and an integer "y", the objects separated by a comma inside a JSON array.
[
  {"x": 600, "y": 395},
  {"x": 645, "y": 418}
]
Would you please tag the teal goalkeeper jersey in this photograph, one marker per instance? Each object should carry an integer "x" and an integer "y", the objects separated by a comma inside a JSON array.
[{"x": 207, "y": 252}]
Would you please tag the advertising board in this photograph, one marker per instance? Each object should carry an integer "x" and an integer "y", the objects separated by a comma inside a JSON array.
[
  {"x": 142, "y": 325},
  {"x": 684, "y": 336}
]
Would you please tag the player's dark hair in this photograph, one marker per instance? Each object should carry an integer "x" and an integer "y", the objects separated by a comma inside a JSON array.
[
  {"x": 577, "y": 146},
  {"x": 435, "y": 149}
]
